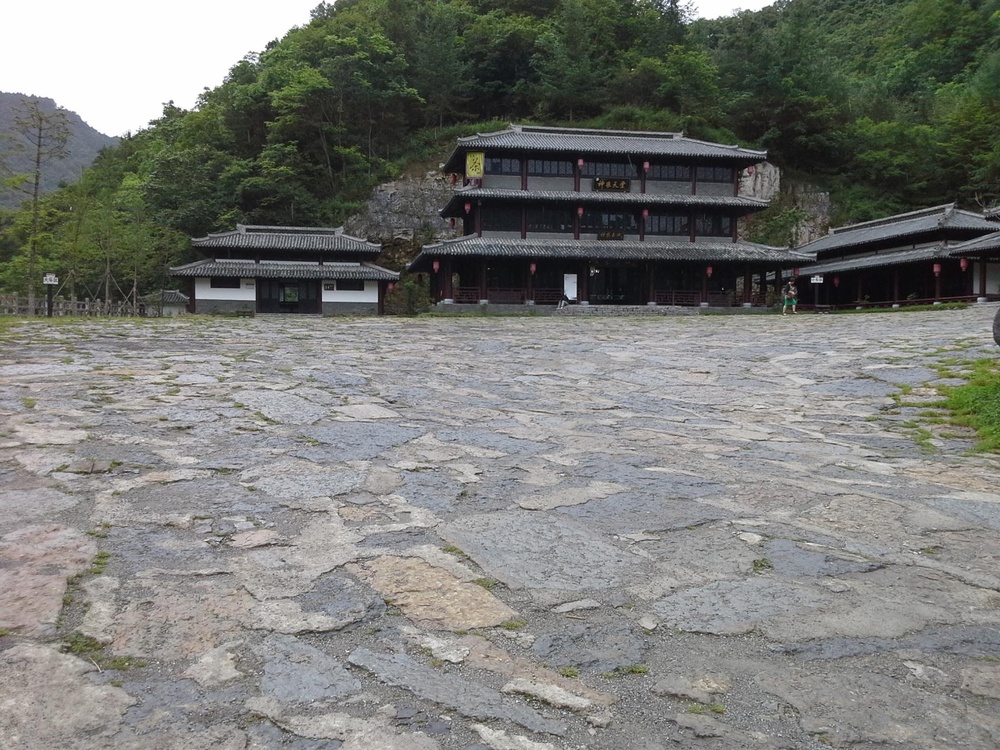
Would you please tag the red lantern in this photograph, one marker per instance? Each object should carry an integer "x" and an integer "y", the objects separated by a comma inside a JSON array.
[
  {"x": 453, "y": 223},
  {"x": 645, "y": 166},
  {"x": 532, "y": 268},
  {"x": 436, "y": 266},
  {"x": 836, "y": 281},
  {"x": 645, "y": 213},
  {"x": 579, "y": 163},
  {"x": 579, "y": 211},
  {"x": 937, "y": 269},
  {"x": 468, "y": 207},
  {"x": 964, "y": 263},
  {"x": 708, "y": 272},
  {"x": 391, "y": 286}
]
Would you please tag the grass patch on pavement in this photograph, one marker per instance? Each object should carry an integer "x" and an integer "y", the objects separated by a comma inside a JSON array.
[{"x": 977, "y": 403}]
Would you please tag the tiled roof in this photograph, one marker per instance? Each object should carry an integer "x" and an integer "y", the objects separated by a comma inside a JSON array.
[
  {"x": 456, "y": 205},
  {"x": 937, "y": 219},
  {"x": 252, "y": 237},
  {"x": 985, "y": 244},
  {"x": 680, "y": 250},
  {"x": 876, "y": 260},
  {"x": 581, "y": 141},
  {"x": 165, "y": 297},
  {"x": 247, "y": 269}
]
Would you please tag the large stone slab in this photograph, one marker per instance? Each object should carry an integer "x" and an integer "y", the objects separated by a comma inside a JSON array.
[
  {"x": 543, "y": 553},
  {"x": 34, "y": 565},
  {"x": 432, "y": 596},
  {"x": 48, "y": 701},
  {"x": 295, "y": 672},
  {"x": 875, "y": 709},
  {"x": 32, "y": 504},
  {"x": 471, "y": 700},
  {"x": 733, "y": 607}
]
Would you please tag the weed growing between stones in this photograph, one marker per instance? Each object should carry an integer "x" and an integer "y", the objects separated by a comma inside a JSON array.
[
  {"x": 85, "y": 647},
  {"x": 100, "y": 532},
  {"x": 99, "y": 563},
  {"x": 761, "y": 564},
  {"x": 626, "y": 671},
  {"x": 569, "y": 672},
  {"x": 513, "y": 624},
  {"x": 487, "y": 583}
]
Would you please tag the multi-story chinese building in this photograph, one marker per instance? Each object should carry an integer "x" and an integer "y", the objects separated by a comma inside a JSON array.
[{"x": 600, "y": 217}]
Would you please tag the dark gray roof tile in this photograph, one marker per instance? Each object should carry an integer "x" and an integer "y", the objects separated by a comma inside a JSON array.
[
  {"x": 580, "y": 141},
  {"x": 246, "y": 269},
  {"x": 985, "y": 244},
  {"x": 253, "y": 237},
  {"x": 928, "y": 220},
  {"x": 610, "y": 250},
  {"x": 876, "y": 260}
]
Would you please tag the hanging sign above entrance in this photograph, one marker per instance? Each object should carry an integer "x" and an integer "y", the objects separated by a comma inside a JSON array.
[{"x": 816, "y": 280}]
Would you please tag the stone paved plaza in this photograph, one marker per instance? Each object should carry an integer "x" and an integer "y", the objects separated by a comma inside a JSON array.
[{"x": 472, "y": 533}]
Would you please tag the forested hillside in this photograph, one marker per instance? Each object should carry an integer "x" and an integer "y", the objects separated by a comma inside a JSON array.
[{"x": 888, "y": 104}]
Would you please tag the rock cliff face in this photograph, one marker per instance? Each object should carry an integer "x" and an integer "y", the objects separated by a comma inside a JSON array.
[
  {"x": 816, "y": 206},
  {"x": 761, "y": 181},
  {"x": 405, "y": 208}
]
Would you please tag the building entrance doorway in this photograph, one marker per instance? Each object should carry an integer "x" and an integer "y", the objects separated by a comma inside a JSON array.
[
  {"x": 616, "y": 285},
  {"x": 296, "y": 296}
]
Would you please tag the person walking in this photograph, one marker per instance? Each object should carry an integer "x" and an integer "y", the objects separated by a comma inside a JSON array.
[{"x": 790, "y": 295}]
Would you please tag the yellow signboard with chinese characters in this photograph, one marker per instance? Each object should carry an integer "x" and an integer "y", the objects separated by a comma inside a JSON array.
[{"x": 475, "y": 163}]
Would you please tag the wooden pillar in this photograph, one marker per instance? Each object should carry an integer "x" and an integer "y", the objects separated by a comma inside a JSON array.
[
  {"x": 531, "y": 285},
  {"x": 704, "y": 286},
  {"x": 651, "y": 270},
  {"x": 482, "y": 279},
  {"x": 982, "y": 277},
  {"x": 895, "y": 285},
  {"x": 446, "y": 286},
  {"x": 747, "y": 286},
  {"x": 583, "y": 283}
]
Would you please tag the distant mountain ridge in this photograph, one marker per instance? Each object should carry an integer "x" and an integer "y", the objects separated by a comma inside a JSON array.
[{"x": 84, "y": 145}]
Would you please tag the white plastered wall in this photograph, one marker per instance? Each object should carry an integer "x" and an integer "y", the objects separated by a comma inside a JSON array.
[
  {"x": 370, "y": 293},
  {"x": 246, "y": 293}
]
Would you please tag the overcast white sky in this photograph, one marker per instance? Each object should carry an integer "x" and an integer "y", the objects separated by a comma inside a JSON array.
[{"x": 116, "y": 62}]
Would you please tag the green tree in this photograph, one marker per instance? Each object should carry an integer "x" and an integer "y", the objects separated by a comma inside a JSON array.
[{"x": 47, "y": 135}]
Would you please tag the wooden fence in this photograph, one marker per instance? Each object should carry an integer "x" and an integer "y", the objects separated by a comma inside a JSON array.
[{"x": 13, "y": 304}]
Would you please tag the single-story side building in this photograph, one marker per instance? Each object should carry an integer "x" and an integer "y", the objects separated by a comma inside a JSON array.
[
  {"x": 298, "y": 270},
  {"x": 931, "y": 255}
]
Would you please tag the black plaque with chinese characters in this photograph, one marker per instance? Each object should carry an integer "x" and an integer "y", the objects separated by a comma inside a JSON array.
[
  {"x": 610, "y": 234},
  {"x": 611, "y": 185}
]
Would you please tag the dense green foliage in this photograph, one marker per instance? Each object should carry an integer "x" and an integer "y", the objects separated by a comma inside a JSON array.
[{"x": 890, "y": 105}]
